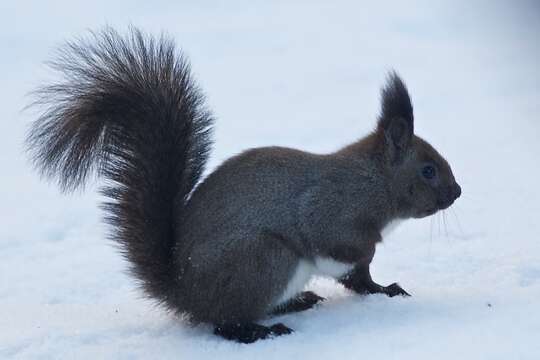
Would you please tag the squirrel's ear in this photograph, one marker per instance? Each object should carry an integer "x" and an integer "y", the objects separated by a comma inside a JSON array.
[{"x": 396, "y": 121}]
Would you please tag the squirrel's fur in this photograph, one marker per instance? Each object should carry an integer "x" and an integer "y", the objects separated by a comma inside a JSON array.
[{"x": 228, "y": 250}]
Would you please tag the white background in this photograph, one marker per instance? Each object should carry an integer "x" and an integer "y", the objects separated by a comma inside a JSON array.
[{"x": 303, "y": 74}]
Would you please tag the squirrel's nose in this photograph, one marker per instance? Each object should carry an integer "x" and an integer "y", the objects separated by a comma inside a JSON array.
[
  {"x": 457, "y": 190},
  {"x": 449, "y": 196}
]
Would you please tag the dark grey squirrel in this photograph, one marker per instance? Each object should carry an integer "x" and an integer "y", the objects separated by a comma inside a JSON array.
[{"x": 239, "y": 245}]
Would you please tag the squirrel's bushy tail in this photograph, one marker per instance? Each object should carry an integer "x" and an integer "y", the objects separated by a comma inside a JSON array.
[{"x": 127, "y": 109}]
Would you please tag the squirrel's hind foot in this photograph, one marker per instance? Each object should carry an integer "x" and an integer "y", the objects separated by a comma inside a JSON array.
[{"x": 250, "y": 332}]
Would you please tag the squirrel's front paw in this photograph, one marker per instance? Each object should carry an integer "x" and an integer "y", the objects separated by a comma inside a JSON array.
[{"x": 394, "y": 289}]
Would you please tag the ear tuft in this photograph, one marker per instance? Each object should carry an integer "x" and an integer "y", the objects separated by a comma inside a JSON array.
[{"x": 395, "y": 102}]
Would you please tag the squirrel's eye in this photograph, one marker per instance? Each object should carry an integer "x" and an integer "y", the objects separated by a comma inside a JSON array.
[{"x": 428, "y": 172}]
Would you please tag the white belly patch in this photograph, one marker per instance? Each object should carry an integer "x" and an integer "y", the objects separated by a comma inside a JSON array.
[{"x": 305, "y": 270}]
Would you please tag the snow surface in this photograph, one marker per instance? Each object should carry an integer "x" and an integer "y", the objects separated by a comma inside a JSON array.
[{"x": 303, "y": 74}]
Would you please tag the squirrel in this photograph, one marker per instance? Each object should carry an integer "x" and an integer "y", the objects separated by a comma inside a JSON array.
[{"x": 239, "y": 245}]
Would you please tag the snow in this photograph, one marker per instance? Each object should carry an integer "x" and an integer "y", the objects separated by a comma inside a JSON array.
[{"x": 306, "y": 75}]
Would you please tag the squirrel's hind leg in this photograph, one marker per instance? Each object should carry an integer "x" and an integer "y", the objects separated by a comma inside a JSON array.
[{"x": 250, "y": 332}]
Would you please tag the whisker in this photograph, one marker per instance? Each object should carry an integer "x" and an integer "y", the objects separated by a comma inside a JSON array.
[
  {"x": 456, "y": 208},
  {"x": 430, "y": 233},
  {"x": 444, "y": 223},
  {"x": 458, "y": 223},
  {"x": 439, "y": 224}
]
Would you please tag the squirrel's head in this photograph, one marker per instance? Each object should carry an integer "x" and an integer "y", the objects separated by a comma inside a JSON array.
[{"x": 421, "y": 179}]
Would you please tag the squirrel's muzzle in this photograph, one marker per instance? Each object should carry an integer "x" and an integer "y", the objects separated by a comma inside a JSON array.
[{"x": 448, "y": 197}]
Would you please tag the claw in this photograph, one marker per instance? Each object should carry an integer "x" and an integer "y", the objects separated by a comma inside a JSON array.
[
  {"x": 394, "y": 290},
  {"x": 280, "y": 329}
]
